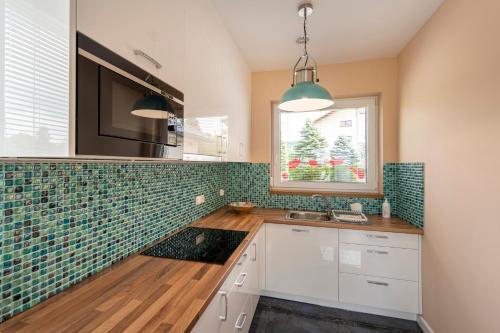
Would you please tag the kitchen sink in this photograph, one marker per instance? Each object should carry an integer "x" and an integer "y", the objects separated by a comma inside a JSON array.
[{"x": 307, "y": 216}]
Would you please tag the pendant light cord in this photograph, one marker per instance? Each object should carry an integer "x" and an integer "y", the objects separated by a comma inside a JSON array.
[{"x": 305, "y": 36}]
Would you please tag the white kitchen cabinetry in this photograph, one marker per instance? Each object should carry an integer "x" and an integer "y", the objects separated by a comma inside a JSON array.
[
  {"x": 232, "y": 308},
  {"x": 198, "y": 57},
  {"x": 34, "y": 77},
  {"x": 379, "y": 269},
  {"x": 302, "y": 261},
  {"x": 392, "y": 294}
]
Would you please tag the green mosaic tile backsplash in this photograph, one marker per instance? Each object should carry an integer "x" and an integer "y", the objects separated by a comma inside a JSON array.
[
  {"x": 250, "y": 182},
  {"x": 404, "y": 188},
  {"x": 62, "y": 222}
]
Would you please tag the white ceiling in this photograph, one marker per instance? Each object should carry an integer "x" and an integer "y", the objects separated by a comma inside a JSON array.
[{"x": 340, "y": 30}]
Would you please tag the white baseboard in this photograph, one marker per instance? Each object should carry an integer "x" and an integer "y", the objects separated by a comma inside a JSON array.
[{"x": 424, "y": 325}]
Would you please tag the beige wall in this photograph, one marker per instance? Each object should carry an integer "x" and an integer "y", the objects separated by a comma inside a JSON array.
[
  {"x": 450, "y": 119},
  {"x": 364, "y": 78}
]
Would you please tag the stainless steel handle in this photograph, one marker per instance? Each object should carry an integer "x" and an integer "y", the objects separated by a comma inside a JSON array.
[
  {"x": 240, "y": 281},
  {"x": 148, "y": 57},
  {"x": 378, "y": 283},
  {"x": 240, "y": 322},
  {"x": 300, "y": 230},
  {"x": 377, "y": 251},
  {"x": 224, "y": 294},
  {"x": 377, "y": 236},
  {"x": 243, "y": 257},
  {"x": 254, "y": 252}
]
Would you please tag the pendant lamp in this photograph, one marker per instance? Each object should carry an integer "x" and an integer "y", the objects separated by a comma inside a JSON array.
[{"x": 305, "y": 94}]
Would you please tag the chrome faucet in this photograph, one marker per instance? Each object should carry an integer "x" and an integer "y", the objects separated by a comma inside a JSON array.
[{"x": 327, "y": 204}]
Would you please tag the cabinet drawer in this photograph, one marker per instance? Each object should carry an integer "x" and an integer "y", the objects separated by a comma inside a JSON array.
[
  {"x": 244, "y": 318},
  {"x": 379, "y": 292},
  {"x": 391, "y": 239},
  {"x": 381, "y": 261}
]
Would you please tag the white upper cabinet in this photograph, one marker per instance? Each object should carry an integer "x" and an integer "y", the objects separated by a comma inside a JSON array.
[
  {"x": 34, "y": 78},
  {"x": 197, "y": 56}
]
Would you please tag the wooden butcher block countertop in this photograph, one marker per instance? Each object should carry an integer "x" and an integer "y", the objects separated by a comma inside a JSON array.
[{"x": 148, "y": 294}]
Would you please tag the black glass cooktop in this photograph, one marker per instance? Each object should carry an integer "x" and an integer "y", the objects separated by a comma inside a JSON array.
[{"x": 199, "y": 244}]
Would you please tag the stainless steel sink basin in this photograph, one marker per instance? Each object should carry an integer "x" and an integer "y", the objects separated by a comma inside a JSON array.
[{"x": 307, "y": 216}]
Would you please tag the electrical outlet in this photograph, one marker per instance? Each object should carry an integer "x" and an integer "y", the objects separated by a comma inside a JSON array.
[
  {"x": 200, "y": 199},
  {"x": 221, "y": 192}
]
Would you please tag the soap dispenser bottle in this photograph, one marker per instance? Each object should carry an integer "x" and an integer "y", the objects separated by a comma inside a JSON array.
[{"x": 386, "y": 209}]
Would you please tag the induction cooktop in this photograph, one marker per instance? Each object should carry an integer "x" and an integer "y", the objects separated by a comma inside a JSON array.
[{"x": 199, "y": 244}]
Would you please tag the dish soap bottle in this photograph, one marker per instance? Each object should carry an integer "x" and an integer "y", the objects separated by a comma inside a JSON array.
[{"x": 386, "y": 209}]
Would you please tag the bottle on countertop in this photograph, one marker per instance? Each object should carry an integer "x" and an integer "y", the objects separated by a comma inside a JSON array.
[{"x": 386, "y": 209}]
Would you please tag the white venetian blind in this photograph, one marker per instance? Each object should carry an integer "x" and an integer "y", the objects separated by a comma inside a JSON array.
[{"x": 34, "y": 78}]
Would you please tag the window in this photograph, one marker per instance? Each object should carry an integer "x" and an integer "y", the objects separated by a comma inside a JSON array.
[
  {"x": 311, "y": 152},
  {"x": 346, "y": 123}
]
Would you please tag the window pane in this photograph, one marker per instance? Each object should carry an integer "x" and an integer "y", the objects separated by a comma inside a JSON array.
[{"x": 324, "y": 146}]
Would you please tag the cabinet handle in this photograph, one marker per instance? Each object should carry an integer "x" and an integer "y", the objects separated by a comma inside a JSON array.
[
  {"x": 148, "y": 57},
  {"x": 243, "y": 257},
  {"x": 224, "y": 294},
  {"x": 241, "y": 280},
  {"x": 254, "y": 252},
  {"x": 240, "y": 322},
  {"x": 377, "y": 251},
  {"x": 377, "y": 236},
  {"x": 300, "y": 230},
  {"x": 378, "y": 283}
]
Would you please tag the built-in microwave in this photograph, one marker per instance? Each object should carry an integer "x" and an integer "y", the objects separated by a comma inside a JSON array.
[{"x": 108, "y": 88}]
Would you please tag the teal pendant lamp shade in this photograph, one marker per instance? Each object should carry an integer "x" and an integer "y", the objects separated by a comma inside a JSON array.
[
  {"x": 305, "y": 96},
  {"x": 153, "y": 106}
]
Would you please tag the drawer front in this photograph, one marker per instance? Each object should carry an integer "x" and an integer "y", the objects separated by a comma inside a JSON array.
[
  {"x": 244, "y": 318},
  {"x": 379, "y": 292},
  {"x": 381, "y": 261},
  {"x": 378, "y": 238}
]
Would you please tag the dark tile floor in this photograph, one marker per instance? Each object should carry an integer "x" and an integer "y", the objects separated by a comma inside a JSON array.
[{"x": 276, "y": 315}]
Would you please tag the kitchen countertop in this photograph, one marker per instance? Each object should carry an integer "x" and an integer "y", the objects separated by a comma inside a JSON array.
[{"x": 149, "y": 294}]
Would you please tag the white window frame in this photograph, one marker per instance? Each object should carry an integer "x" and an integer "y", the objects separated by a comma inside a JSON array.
[{"x": 372, "y": 158}]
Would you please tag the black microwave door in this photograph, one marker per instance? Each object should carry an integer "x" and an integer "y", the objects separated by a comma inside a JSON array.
[{"x": 117, "y": 96}]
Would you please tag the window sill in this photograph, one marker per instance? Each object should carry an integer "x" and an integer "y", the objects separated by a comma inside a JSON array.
[{"x": 326, "y": 193}]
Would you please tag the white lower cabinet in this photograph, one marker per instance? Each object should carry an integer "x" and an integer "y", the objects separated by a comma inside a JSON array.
[
  {"x": 302, "y": 261},
  {"x": 380, "y": 270},
  {"x": 369, "y": 270},
  {"x": 232, "y": 308},
  {"x": 392, "y": 294}
]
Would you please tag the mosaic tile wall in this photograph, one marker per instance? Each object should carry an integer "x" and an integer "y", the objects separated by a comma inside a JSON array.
[
  {"x": 250, "y": 182},
  {"x": 404, "y": 188},
  {"x": 62, "y": 222}
]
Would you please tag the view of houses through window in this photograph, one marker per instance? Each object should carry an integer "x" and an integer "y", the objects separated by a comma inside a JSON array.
[{"x": 326, "y": 146}]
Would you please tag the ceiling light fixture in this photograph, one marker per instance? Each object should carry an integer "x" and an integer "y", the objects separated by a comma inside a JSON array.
[{"x": 305, "y": 94}]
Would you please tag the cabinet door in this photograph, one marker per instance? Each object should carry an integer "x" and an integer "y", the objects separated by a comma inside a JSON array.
[
  {"x": 34, "y": 77},
  {"x": 302, "y": 261},
  {"x": 205, "y": 138}
]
